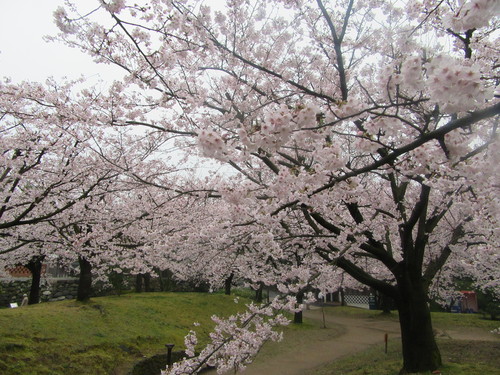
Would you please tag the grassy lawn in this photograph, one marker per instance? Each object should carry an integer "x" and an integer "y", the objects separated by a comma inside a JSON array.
[
  {"x": 440, "y": 320},
  {"x": 104, "y": 336},
  {"x": 109, "y": 334},
  {"x": 461, "y": 357}
]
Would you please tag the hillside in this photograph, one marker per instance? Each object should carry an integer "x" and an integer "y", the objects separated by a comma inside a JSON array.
[{"x": 106, "y": 335}]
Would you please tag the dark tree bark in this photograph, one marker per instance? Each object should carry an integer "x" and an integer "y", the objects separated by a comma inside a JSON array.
[
  {"x": 167, "y": 281},
  {"x": 420, "y": 350},
  {"x": 143, "y": 279},
  {"x": 228, "y": 283},
  {"x": 258, "y": 293},
  {"x": 161, "y": 281},
  {"x": 342, "y": 291},
  {"x": 147, "y": 282},
  {"x": 385, "y": 303},
  {"x": 164, "y": 283},
  {"x": 342, "y": 297},
  {"x": 35, "y": 266},
  {"x": 412, "y": 279},
  {"x": 85, "y": 280},
  {"x": 138, "y": 283},
  {"x": 297, "y": 317}
]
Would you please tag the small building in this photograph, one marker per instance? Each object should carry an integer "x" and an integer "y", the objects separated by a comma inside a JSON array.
[
  {"x": 465, "y": 303},
  {"x": 468, "y": 301},
  {"x": 22, "y": 271}
]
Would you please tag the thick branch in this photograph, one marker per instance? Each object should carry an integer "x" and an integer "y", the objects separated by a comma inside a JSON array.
[
  {"x": 422, "y": 236},
  {"x": 19, "y": 220},
  {"x": 274, "y": 74},
  {"x": 436, "y": 134},
  {"x": 120, "y": 23},
  {"x": 267, "y": 162},
  {"x": 436, "y": 264},
  {"x": 325, "y": 224},
  {"x": 377, "y": 251},
  {"x": 153, "y": 126},
  {"x": 309, "y": 219},
  {"x": 367, "y": 279}
]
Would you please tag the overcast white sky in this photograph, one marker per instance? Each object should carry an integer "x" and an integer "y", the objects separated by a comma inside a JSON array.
[{"x": 24, "y": 55}]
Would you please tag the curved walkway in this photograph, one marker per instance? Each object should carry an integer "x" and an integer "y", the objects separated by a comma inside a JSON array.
[
  {"x": 358, "y": 335},
  {"x": 346, "y": 336}
]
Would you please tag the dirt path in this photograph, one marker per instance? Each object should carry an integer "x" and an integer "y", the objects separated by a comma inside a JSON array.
[
  {"x": 302, "y": 353},
  {"x": 358, "y": 335}
]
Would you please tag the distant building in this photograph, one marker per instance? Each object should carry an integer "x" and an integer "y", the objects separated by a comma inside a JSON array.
[
  {"x": 465, "y": 303},
  {"x": 468, "y": 302},
  {"x": 50, "y": 271},
  {"x": 21, "y": 271}
]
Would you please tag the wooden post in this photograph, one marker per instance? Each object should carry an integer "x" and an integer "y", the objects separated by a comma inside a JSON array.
[{"x": 169, "y": 354}]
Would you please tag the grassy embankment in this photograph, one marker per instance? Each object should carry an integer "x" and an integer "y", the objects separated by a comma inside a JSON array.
[
  {"x": 460, "y": 357},
  {"x": 106, "y": 335}
]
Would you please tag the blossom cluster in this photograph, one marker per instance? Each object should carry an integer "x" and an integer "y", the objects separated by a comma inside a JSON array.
[
  {"x": 365, "y": 142},
  {"x": 331, "y": 157},
  {"x": 211, "y": 144},
  {"x": 352, "y": 108},
  {"x": 456, "y": 86},
  {"x": 234, "y": 341},
  {"x": 113, "y": 6},
  {"x": 411, "y": 73},
  {"x": 279, "y": 125},
  {"x": 63, "y": 22},
  {"x": 472, "y": 15}
]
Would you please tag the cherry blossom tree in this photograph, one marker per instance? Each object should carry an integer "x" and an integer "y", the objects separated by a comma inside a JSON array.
[
  {"x": 46, "y": 168},
  {"x": 122, "y": 230},
  {"x": 65, "y": 173},
  {"x": 43, "y": 155},
  {"x": 364, "y": 132}
]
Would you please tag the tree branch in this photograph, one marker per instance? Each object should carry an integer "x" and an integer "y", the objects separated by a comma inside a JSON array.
[{"x": 436, "y": 134}]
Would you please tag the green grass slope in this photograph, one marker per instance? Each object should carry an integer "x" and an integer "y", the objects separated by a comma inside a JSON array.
[{"x": 104, "y": 336}]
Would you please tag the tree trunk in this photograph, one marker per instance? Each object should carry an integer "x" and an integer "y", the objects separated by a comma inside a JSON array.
[
  {"x": 161, "y": 280},
  {"x": 168, "y": 283},
  {"x": 258, "y": 293},
  {"x": 342, "y": 297},
  {"x": 386, "y": 303},
  {"x": 420, "y": 351},
  {"x": 138, "y": 283},
  {"x": 35, "y": 266},
  {"x": 297, "y": 317},
  {"x": 147, "y": 282},
  {"x": 85, "y": 281},
  {"x": 140, "y": 279},
  {"x": 227, "y": 284}
]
